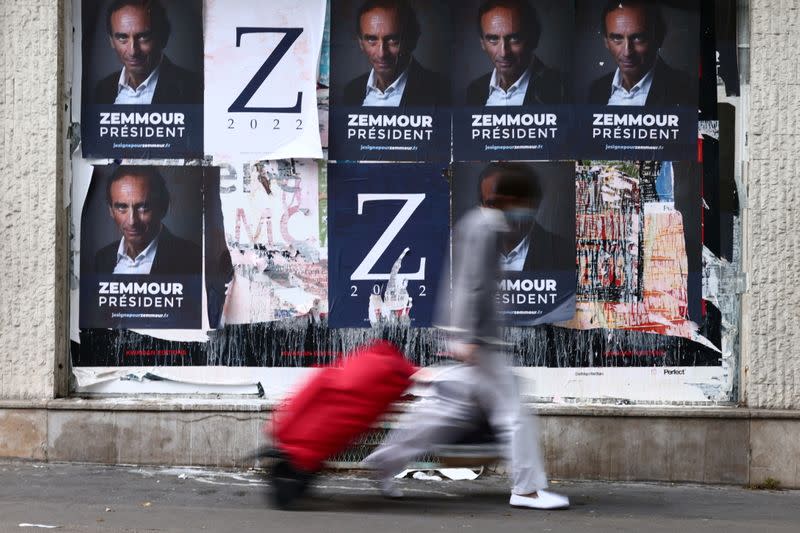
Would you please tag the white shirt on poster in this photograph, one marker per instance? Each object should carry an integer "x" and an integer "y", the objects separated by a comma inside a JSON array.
[
  {"x": 515, "y": 95},
  {"x": 515, "y": 259},
  {"x": 391, "y": 97},
  {"x": 141, "y": 264},
  {"x": 142, "y": 95},
  {"x": 637, "y": 96}
]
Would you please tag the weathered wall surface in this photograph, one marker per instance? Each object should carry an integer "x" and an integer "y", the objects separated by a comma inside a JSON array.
[
  {"x": 29, "y": 196},
  {"x": 771, "y": 377}
]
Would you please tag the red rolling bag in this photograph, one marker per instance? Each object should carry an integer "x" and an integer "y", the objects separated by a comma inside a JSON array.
[{"x": 331, "y": 410}]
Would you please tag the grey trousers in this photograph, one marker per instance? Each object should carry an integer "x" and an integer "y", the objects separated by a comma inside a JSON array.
[{"x": 463, "y": 391}]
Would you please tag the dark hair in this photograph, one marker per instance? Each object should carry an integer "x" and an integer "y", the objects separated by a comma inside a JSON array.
[
  {"x": 513, "y": 179},
  {"x": 530, "y": 20},
  {"x": 409, "y": 23},
  {"x": 158, "y": 17},
  {"x": 159, "y": 194},
  {"x": 652, "y": 12}
]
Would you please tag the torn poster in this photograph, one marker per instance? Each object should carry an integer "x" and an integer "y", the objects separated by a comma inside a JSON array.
[
  {"x": 635, "y": 269},
  {"x": 324, "y": 75},
  {"x": 727, "y": 60},
  {"x": 261, "y": 78},
  {"x": 272, "y": 229},
  {"x": 324, "y": 113},
  {"x": 388, "y": 226}
]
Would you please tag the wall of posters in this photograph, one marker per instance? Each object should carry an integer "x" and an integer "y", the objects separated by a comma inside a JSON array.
[
  {"x": 307, "y": 253},
  {"x": 543, "y": 80},
  {"x": 518, "y": 80}
]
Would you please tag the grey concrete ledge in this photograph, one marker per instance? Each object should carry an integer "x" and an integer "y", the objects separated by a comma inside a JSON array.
[
  {"x": 656, "y": 443},
  {"x": 157, "y": 404},
  {"x": 189, "y": 404},
  {"x": 24, "y": 404},
  {"x": 645, "y": 411}
]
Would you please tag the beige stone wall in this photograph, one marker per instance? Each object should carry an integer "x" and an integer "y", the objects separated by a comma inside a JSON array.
[
  {"x": 30, "y": 197},
  {"x": 771, "y": 377}
]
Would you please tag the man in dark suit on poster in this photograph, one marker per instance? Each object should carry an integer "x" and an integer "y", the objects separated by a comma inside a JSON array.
[
  {"x": 138, "y": 200},
  {"x": 388, "y": 32},
  {"x": 509, "y": 32},
  {"x": 633, "y": 32},
  {"x": 138, "y": 31}
]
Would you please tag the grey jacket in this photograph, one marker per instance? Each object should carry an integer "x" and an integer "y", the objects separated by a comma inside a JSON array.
[{"x": 471, "y": 313}]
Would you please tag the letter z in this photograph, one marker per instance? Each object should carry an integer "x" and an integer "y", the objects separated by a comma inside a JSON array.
[
  {"x": 289, "y": 37},
  {"x": 413, "y": 201}
]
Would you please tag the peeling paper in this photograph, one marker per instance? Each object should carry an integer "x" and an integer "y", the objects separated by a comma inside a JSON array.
[
  {"x": 395, "y": 305},
  {"x": 423, "y": 475},
  {"x": 272, "y": 227},
  {"x": 179, "y": 335},
  {"x": 721, "y": 288},
  {"x": 460, "y": 474},
  {"x": 207, "y": 376},
  {"x": 642, "y": 284},
  {"x": 81, "y": 178},
  {"x": 453, "y": 474},
  {"x": 709, "y": 128}
]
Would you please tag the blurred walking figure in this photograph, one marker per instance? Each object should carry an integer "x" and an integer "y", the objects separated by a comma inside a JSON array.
[{"x": 483, "y": 384}]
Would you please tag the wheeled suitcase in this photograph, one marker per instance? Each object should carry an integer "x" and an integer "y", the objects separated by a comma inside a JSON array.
[{"x": 330, "y": 411}]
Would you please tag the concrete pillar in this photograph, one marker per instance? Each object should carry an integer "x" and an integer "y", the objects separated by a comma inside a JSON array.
[
  {"x": 771, "y": 340},
  {"x": 32, "y": 244}
]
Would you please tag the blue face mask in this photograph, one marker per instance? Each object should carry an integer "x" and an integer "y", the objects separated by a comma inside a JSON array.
[
  {"x": 520, "y": 220},
  {"x": 520, "y": 216}
]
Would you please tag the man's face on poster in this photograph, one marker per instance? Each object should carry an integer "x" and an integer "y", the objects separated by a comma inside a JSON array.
[
  {"x": 505, "y": 202},
  {"x": 630, "y": 40},
  {"x": 131, "y": 207},
  {"x": 133, "y": 40},
  {"x": 381, "y": 40},
  {"x": 505, "y": 41}
]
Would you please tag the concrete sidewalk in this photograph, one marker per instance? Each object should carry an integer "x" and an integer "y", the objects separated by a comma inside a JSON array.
[{"x": 131, "y": 498}]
